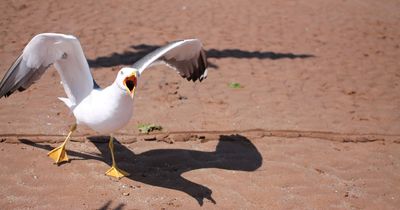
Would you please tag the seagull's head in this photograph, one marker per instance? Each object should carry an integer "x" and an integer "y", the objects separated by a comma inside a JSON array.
[{"x": 127, "y": 80}]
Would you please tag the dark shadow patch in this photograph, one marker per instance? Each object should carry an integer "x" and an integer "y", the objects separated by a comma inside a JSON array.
[
  {"x": 106, "y": 206},
  {"x": 139, "y": 51},
  {"x": 164, "y": 167}
]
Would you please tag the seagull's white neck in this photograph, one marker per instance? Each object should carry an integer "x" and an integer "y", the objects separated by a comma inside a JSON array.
[{"x": 117, "y": 92}]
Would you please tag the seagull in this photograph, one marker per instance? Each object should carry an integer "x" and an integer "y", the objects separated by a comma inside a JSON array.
[{"x": 103, "y": 110}]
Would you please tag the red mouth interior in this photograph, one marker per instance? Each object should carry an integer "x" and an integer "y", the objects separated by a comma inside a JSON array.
[{"x": 130, "y": 82}]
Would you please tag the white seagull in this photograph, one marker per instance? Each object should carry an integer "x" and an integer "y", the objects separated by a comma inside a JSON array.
[{"x": 103, "y": 110}]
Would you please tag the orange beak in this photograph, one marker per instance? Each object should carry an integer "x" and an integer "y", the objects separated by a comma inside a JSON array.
[{"x": 130, "y": 83}]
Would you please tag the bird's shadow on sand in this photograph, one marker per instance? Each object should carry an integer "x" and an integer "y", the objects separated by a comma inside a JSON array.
[
  {"x": 139, "y": 51},
  {"x": 164, "y": 167}
]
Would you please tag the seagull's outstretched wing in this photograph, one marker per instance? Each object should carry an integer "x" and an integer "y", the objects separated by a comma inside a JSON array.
[
  {"x": 185, "y": 56},
  {"x": 43, "y": 50}
]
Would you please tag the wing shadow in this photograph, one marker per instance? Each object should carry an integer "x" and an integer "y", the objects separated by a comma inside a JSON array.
[
  {"x": 139, "y": 51},
  {"x": 164, "y": 167}
]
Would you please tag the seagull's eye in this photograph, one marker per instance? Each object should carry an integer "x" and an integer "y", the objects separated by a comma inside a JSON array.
[{"x": 121, "y": 72}]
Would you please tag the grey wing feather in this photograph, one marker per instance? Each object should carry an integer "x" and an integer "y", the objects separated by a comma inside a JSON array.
[
  {"x": 141, "y": 63},
  {"x": 191, "y": 65},
  {"x": 19, "y": 77},
  {"x": 65, "y": 52},
  {"x": 191, "y": 70}
]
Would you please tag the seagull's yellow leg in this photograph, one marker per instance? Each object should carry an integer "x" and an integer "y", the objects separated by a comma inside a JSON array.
[
  {"x": 59, "y": 154},
  {"x": 114, "y": 171}
]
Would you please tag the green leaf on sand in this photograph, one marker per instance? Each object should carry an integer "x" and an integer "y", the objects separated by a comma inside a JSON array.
[
  {"x": 147, "y": 128},
  {"x": 235, "y": 85}
]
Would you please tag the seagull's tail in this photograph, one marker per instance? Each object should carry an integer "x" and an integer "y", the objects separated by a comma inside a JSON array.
[{"x": 67, "y": 102}]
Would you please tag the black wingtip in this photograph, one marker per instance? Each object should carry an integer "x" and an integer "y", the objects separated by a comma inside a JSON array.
[
  {"x": 203, "y": 65},
  {"x": 8, "y": 94}
]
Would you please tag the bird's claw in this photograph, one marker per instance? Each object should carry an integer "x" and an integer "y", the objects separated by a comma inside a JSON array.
[
  {"x": 58, "y": 154},
  {"x": 114, "y": 171}
]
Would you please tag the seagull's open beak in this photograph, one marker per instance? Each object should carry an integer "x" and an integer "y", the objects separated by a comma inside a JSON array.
[{"x": 130, "y": 84}]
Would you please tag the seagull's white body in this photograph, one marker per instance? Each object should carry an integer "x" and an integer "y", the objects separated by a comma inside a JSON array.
[{"x": 105, "y": 111}]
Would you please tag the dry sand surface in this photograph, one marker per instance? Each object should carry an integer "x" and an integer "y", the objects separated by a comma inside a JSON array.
[{"x": 315, "y": 125}]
